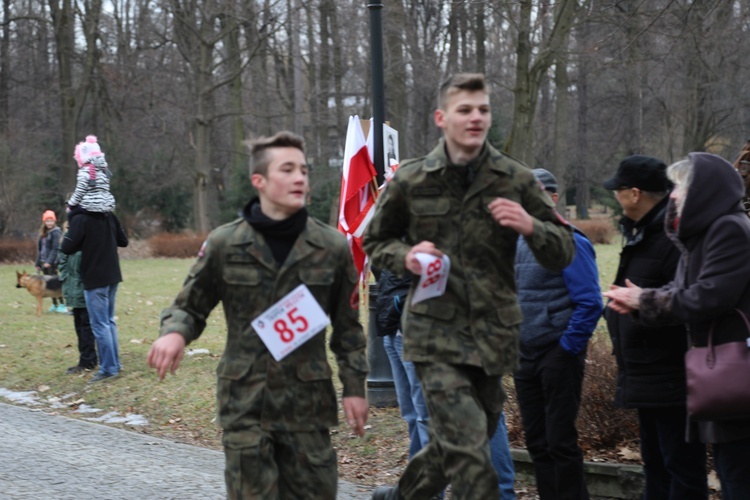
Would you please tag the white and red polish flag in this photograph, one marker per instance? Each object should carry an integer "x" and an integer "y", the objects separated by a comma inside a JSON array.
[{"x": 358, "y": 192}]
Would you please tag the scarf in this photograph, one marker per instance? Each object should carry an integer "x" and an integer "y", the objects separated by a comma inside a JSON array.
[{"x": 279, "y": 234}]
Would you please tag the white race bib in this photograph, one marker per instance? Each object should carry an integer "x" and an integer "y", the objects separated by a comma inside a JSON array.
[
  {"x": 290, "y": 322},
  {"x": 434, "y": 276}
]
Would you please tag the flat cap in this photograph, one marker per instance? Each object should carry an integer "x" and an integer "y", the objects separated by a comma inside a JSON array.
[{"x": 639, "y": 171}]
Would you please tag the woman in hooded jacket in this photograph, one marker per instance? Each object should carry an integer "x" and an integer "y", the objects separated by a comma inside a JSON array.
[{"x": 706, "y": 221}]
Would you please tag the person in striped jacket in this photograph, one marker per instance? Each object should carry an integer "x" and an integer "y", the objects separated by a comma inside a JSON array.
[{"x": 92, "y": 182}]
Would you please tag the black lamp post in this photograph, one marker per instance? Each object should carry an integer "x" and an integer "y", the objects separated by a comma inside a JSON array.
[
  {"x": 378, "y": 92},
  {"x": 380, "y": 387}
]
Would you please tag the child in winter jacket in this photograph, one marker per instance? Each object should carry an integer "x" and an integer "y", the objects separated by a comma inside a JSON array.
[
  {"x": 47, "y": 257},
  {"x": 92, "y": 182}
]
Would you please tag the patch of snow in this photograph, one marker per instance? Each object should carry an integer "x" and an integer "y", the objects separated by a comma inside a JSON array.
[
  {"x": 114, "y": 417},
  {"x": 30, "y": 398},
  {"x": 26, "y": 397},
  {"x": 84, "y": 408}
]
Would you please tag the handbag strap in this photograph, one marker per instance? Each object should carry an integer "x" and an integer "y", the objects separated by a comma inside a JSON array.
[{"x": 710, "y": 356}]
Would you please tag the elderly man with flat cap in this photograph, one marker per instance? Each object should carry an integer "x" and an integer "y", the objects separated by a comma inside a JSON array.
[
  {"x": 560, "y": 312},
  {"x": 650, "y": 361}
]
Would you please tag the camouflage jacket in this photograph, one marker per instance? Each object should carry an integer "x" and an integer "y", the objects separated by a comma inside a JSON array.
[
  {"x": 236, "y": 266},
  {"x": 476, "y": 321}
]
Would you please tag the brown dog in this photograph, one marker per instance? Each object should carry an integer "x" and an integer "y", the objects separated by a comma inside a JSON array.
[{"x": 40, "y": 287}]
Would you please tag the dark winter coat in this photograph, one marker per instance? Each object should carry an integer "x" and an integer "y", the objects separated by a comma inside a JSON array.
[
  {"x": 713, "y": 276},
  {"x": 650, "y": 360},
  {"x": 97, "y": 236}
]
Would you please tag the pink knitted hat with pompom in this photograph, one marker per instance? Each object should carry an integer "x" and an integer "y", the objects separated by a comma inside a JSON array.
[{"x": 86, "y": 150}]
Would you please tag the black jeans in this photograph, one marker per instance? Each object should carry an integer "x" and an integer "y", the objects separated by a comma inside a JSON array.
[
  {"x": 674, "y": 468},
  {"x": 732, "y": 463},
  {"x": 86, "y": 343},
  {"x": 549, "y": 395}
]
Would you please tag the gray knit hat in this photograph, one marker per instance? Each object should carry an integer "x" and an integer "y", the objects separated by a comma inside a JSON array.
[{"x": 546, "y": 178}]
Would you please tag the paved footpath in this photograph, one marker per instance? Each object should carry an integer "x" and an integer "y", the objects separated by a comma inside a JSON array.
[{"x": 53, "y": 457}]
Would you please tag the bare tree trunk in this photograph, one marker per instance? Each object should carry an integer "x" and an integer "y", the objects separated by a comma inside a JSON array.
[
  {"x": 237, "y": 160},
  {"x": 395, "y": 73},
  {"x": 702, "y": 77},
  {"x": 204, "y": 205},
  {"x": 560, "y": 147},
  {"x": 465, "y": 31},
  {"x": 633, "y": 97},
  {"x": 72, "y": 97},
  {"x": 481, "y": 36},
  {"x": 516, "y": 144},
  {"x": 338, "y": 133},
  {"x": 297, "y": 68},
  {"x": 425, "y": 41},
  {"x": 63, "y": 23},
  {"x": 322, "y": 84},
  {"x": 582, "y": 165},
  {"x": 560, "y": 150},
  {"x": 8, "y": 189},
  {"x": 453, "y": 38},
  {"x": 261, "y": 74},
  {"x": 338, "y": 76},
  {"x": 544, "y": 135},
  {"x": 198, "y": 30},
  {"x": 529, "y": 76},
  {"x": 5, "y": 70}
]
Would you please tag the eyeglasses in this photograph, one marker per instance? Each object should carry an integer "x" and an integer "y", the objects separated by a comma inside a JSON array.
[{"x": 617, "y": 190}]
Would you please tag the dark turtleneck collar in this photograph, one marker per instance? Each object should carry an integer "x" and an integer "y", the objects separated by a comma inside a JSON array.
[
  {"x": 471, "y": 168},
  {"x": 279, "y": 234}
]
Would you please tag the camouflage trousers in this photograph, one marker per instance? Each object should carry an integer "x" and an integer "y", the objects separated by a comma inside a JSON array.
[
  {"x": 464, "y": 405},
  {"x": 269, "y": 465}
]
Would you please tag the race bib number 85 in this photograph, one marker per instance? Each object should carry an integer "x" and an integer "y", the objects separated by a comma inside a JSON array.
[{"x": 290, "y": 322}]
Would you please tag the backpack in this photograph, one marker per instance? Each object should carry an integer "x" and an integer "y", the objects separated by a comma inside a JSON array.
[{"x": 392, "y": 292}]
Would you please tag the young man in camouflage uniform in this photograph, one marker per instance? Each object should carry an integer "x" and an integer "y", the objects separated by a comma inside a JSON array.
[
  {"x": 469, "y": 201},
  {"x": 275, "y": 415}
]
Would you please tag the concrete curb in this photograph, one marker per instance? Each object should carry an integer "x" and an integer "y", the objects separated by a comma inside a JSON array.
[{"x": 604, "y": 480}]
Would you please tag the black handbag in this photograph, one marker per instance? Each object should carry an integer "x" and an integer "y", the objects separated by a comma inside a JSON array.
[{"x": 718, "y": 378}]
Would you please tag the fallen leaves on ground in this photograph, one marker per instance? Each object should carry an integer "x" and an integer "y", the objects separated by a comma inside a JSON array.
[{"x": 626, "y": 453}]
